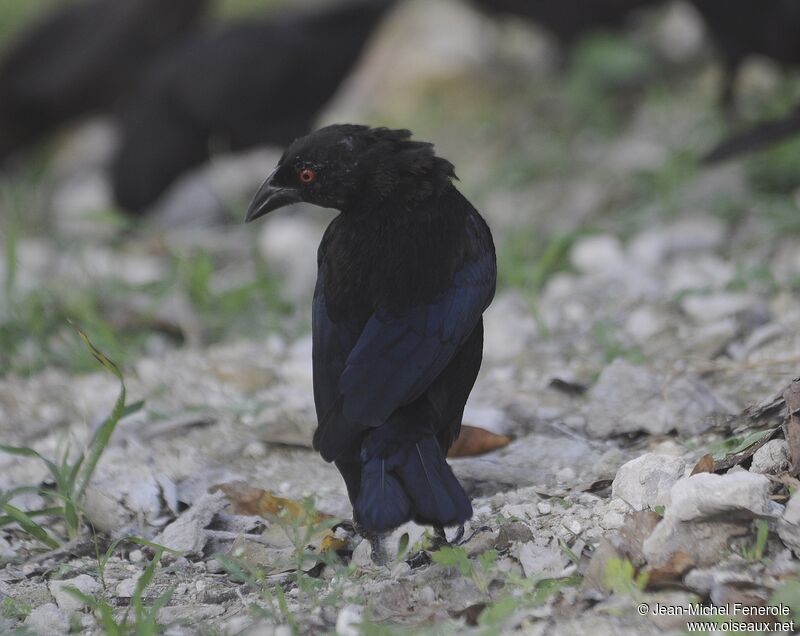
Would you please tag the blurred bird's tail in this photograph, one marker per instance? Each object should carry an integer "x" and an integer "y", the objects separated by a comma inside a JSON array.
[{"x": 404, "y": 479}]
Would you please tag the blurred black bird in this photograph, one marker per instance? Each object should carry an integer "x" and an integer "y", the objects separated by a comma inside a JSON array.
[
  {"x": 741, "y": 28},
  {"x": 568, "y": 20},
  {"x": 405, "y": 272},
  {"x": 756, "y": 138},
  {"x": 239, "y": 86},
  {"x": 80, "y": 59}
]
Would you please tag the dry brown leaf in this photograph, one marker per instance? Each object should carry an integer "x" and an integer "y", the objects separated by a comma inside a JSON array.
[
  {"x": 670, "y": 571},
  {"x": 330, "y": 543},
  {"x": 471, "y": 614},
  {"x": 247, "y": 500},
  {"x": 704, "y": 465},
  {"x": 476, "y": 441},
  {"x": 791, "y": 427}
]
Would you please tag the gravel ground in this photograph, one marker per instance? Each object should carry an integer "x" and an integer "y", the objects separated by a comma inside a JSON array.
[{"x": 636, "y": 354}]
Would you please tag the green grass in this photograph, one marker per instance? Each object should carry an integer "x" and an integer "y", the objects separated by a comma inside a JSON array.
[
  {"x": 313, "y": 592},
  {"x": 481, "y": 570},
  {"x": 139, "y": 619},
  {"x": 621, "y": 578},
  {"x": 34, "y": 324},
  {"x": 70, "y": 476}
]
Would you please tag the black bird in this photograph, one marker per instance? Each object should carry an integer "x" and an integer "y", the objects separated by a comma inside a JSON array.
[
  {"x": 235, "y": 87},
  {"x": 80, "y": 60},
  {"x": 741, "y": 28},
  {"x": 405, "y": 272},
  {"x": 756, "y": 138},
  {"x": 567, "y": 20}
]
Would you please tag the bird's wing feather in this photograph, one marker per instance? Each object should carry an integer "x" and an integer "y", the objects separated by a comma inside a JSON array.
[{"x": 398, "y": 356}]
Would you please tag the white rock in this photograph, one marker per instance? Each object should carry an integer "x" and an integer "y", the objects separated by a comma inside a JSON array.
[
  {"x": 509, "y": 328},
  {"x": 705, "y": 512},
  {"x": 574, "y": 526},
  {"x": 435, "y": 40},
  {"x": 634, "y": 153},
  {"x": 645, "y": 482},
  {"x": 488, "y": 418},
  {"x": 349, "y": 619},
  {"x": 708, "y": 494},
  {"x": 522, "y": 511},
  {"x": 679, "y": 35},
  {"x": 64, "y": 599},
  {"x": 544, "y": 508},
  {"x": 126, "y": 587},
  {"x": 426, "y": 596},
  {"x": 771, "y": 458},
  {"x": 698, "y": 234},
  {"x": 714, "y": 307},
  {"x": 612, "y": 520},
  {"x": 187, "y": 532},
  {"x": 597, "y": 254},
  {"x": 645, "y": 322},
  {"x": 704, "y": 271},
  {"x": 48, "y": 620},
  {"x": 628, "y": 398},
  {"x": 362, "y": 555},
  {"x": 540, "y": 561}
]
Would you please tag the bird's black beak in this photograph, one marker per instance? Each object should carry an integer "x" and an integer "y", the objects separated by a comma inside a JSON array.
[{"x": 270, "y": 197}]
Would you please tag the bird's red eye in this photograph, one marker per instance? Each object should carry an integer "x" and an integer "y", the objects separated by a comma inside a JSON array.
[{"x": 307, "y": 175}]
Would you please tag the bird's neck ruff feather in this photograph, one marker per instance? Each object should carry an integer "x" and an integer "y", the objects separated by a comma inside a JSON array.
[{"x": 399, "y": 170}]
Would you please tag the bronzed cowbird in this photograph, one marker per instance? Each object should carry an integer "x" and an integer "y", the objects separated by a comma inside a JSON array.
[
  {"x": 241, "y": 85},
  {"x": 405, "y": 272},
  {"x": 80, "y": 60}
]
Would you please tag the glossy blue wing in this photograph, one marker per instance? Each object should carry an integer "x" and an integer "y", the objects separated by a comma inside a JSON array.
[
  {"x": 332, "y": 344},
  {"x": 397, "y": 357}
]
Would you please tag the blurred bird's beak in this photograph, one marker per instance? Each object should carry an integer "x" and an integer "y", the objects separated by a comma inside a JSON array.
[{"x": 270, "y": 197}]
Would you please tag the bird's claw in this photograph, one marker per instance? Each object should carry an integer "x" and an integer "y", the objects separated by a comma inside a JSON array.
[{"x": 438, "y": 541}]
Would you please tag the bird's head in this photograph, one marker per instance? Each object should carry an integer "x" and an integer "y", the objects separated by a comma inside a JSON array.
[{"x": 351, "y": 168}]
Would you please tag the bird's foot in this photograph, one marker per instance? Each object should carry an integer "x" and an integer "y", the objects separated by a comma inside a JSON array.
[
  {"x": 459, "y": 540},
  {"x": 377, "y": 541},
  {"x": 437, "y": 542}
]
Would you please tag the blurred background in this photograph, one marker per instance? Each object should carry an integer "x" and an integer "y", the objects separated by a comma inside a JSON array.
[{"x": 132, "y": 136}]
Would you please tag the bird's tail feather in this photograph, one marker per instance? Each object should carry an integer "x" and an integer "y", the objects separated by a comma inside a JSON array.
[{"x": 411, "y": 481}]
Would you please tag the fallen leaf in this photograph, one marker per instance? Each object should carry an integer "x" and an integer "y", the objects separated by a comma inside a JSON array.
[
  {"x": 742, "y": 594},
  {"x": 470, "y": 614},
  {"x": 745, "y": 449},
  {"x": 331, "y": 543},
  {"x": 568, "y": 387},
  {"x": 704, "y": 465},
  {"x": 476, "y": 441},
  {"x": 638, "y": 527},
  {"x": 247, "y": 500},
  {"x": 791, "y": 427},
  {"x": 670, "y": 571}
]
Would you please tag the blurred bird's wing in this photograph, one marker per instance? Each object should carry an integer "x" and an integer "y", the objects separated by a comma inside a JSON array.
[{"x": 397, "y": 357}]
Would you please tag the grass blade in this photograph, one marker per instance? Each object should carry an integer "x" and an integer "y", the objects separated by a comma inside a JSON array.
[
  {"x": 103, "y": 434},
  {"x": 42, "y": 512},
  {"x": 29, "y": 525},
  {"x": 24, "y": 451}
]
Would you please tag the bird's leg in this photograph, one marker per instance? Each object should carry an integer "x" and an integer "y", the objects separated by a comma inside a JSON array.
[
  {"x": 439, "y": 540},
  {"x": 377, "y": 542}
]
